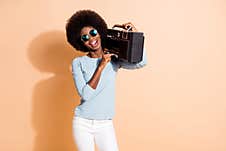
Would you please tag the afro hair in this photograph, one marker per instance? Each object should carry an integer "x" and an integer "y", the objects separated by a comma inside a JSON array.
[{"x": 80, "y": 19}]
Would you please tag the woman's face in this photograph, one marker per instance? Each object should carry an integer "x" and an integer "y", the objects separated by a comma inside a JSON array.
[{"x": 91, "y": 38}]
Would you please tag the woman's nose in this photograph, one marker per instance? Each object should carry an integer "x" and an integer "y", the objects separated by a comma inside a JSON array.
[{"x": 91, "y": 38}]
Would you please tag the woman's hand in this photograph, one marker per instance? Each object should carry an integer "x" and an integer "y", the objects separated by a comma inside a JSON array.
[
  {"x": 129, "y": 25},
  {"x": 106, "y": 57}
]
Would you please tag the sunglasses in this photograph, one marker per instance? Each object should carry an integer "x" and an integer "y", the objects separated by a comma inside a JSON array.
[{"x": 92, "y": 33}]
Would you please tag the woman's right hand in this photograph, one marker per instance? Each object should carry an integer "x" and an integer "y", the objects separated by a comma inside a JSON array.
[{"x": 106, "y": 57}]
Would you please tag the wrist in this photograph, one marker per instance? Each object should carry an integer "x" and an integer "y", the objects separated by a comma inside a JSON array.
[{"x": 101, "y": 67}]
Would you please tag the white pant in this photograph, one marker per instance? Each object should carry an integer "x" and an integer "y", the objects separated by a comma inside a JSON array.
[{"x": 87, "y": 133}]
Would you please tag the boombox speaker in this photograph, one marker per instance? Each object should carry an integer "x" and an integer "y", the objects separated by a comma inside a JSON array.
[{"x": 127, "y": 45}]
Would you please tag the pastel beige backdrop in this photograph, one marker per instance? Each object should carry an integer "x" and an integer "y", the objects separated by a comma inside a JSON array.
[{"x": 176, "y": 103}]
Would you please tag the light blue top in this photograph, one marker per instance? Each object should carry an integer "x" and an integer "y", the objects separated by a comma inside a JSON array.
[{"x": 99, "y": 103}]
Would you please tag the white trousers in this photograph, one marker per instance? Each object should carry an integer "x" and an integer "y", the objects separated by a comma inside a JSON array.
[{"x": 87, "y": 133}]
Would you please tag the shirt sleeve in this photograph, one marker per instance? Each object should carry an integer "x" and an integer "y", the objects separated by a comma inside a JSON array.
[
  {"x": 85, "y": 91},
  {"x": 138, "y": 65}
]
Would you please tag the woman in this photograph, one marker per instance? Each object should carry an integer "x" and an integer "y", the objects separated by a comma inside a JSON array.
[{"x": 94, "y": 75}]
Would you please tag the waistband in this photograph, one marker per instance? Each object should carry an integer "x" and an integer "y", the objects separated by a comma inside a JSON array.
[{"x": 92, "y": 121}]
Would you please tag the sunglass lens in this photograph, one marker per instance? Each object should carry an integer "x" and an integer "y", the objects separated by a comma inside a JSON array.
[
  {"x": 85, "y": 37},
  {"x": 93, "y": 32}
]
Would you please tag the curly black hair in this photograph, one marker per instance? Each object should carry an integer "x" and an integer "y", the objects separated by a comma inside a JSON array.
[{"x": 80, "y": 19}]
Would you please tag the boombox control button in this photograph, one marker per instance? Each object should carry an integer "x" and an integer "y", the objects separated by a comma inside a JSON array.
[{"x": 118, "y": 34}]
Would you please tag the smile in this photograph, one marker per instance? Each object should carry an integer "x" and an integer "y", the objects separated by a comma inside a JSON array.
[{"x": 93, "y": 43}]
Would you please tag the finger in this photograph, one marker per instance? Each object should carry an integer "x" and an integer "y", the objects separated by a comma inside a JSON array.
[
  {"x": 106, "y": 56},
  {"x": 128, "y": 24}
]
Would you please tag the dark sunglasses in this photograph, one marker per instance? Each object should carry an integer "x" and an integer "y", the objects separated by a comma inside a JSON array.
[{"x": 92, "y": 33}]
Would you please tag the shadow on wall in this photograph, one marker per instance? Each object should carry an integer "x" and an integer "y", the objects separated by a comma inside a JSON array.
[{"x": 55, "y": 97}]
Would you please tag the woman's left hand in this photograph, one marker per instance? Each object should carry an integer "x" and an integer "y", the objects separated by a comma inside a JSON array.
[{"x": 129, "y": 25}]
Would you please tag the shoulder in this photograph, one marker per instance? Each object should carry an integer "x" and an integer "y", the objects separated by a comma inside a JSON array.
[{"x": 78, "y": 60}]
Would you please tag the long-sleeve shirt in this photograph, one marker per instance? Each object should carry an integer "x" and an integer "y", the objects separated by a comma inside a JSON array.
[{"x": 99, "y": 103}]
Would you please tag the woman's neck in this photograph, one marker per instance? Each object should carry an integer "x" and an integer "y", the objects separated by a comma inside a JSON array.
[{"x": 96, "y": 54}]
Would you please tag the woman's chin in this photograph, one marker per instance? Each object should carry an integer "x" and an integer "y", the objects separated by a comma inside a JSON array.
[{"x": 95, "y": 48}]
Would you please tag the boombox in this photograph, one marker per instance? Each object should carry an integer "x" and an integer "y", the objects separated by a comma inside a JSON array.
[{"x": 127, "y": 45}]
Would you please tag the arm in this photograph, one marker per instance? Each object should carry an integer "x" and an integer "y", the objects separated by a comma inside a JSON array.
[
  {"x": 85, "y": 89},
  {"x": 96, "y": 76}
]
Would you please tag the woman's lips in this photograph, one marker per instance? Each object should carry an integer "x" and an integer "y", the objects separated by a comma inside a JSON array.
[{"x": 93, "y": 43}]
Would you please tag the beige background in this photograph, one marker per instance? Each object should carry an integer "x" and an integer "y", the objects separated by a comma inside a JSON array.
[{"x": 176, "y": 103}]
